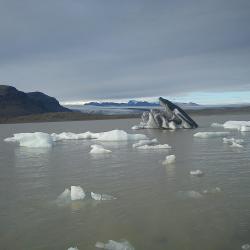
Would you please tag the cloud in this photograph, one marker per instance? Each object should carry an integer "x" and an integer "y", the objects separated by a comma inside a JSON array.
[{"x": 92, "y": 49}]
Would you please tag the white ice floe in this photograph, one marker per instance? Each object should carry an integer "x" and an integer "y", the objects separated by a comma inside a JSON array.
[
  {"x": 32, "y": 140},
  {"x": 212, "y": 190},
  {"x": 102, "y": 197},
  {"x": 170, "y": 159},
  {"x": 206, "y": 135},
  {"x": 76, "y": 193},
  {"x": 98, "y": 149},
  {"x": 74, "y": 136},
  {"x": 120, "y": 135},
  {"x": 115, "y": 245},
  {"x": 158, "y": 146},
  {"x": 144, "y": 142},
  {"x": 245, "y": 247},
  {"x": 217, "y": 125},
  {"x": 243, "y": 126},
  {"x": 236, "y": 145},
  {"x": 231, "y": 140},
  {"x": 197, "y": 172},
  {"x": 73, "y": 248}
]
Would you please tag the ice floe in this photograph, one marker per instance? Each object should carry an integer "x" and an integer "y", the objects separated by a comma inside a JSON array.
[
  {"x": 39, "y": 139},
  {"x": 190, "y": 194},
  {"x": 212, "y": 190},
  {"x": 206, "y": 135},
  {"x": 98, "y": 149},
  {"x": 197, "y": 172},
  {"x": 32, "y": 140},
  {"x": 170, "y": 159},
  {"x": 236, "y": 145},
  {"x": 115, "y": 245},
  {"x": 102, "y": 197},
  {"x": 73, "y": 248},
  {"x": 144, "y": 142},
  {"x": 243, "y": 126},
  {"x": 76, "y": 193},
  {"x": 158, "y": 146},
  {"x": 245, "y": 247},
  {"x": 231, "y": 140}
]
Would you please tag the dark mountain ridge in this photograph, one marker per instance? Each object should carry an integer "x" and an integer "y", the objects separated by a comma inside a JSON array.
[{"x": 17, "y": 103}]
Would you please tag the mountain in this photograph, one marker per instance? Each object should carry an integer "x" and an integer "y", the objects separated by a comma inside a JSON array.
[
  {"x": 17, "y": 103},
  {"x": 134, "y": 103}
]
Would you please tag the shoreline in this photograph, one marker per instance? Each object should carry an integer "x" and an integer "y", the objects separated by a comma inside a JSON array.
[{"x": 78, "y": 116}]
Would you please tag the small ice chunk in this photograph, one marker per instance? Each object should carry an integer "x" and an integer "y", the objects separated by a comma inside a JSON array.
[
  {"x": 120, "y": 135},
  {"x": 159, "y": 146},
  {"x": 32, "y": 140},
  {"x": 101, "y": 197},
  {"x": 206, "y": 135},
  {"x": 170, "y": 159},
  {"x": 190, "y": 194},
  {"x": 197, "y": 172},
  {"x": 245, "y": 128},
  {"x": 98, "y": 149},
  {"x": 217, "y": 125},
  {"x": 212, "y": 190},
  {"x": 65, "y": 195},
  {"x": 236, "y": 145},
  {"x": 76, "y": 193},
  {"x": 136, "y": 127},
  {"x": 245, "y": 247},
  {"x": 231, "y": 140},
  {"x": 115, "y": 245},
  {"x": 144, "y": 142},
  {"x": 73, "y": 248}
]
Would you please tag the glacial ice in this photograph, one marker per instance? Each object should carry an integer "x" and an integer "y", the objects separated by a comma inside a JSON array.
[
  {"x": 115, "y": 245},
  {"x": 231, "y": 140},
  {"x": 242, "y": 126},
  {"x": 98, "y": 149},
  {"x": 32, "y": 140},
  {"x": 206, "y": 135},
  {"x": 170, "y": 159},
  {"x": 73, "y": 248},
  {"x": 120, "y": 135},
  {"x": 101, "y": 197},
  {"x": 159, "y": 146},
  {"x": 236, "y": 145},
  {"x": 197, "y": 172},
  {"x": 212, "y": 190}
]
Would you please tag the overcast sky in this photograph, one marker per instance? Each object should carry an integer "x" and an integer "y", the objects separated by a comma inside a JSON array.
[{"x": 123, "y": 49}]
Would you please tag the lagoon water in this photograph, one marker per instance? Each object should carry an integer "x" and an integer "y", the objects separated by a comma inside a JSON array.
[{"x": 152, "y": 210}]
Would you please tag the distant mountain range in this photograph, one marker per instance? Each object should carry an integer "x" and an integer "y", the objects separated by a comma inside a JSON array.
[
  {"x": 133, "y": 103},
  {"x": 17, "y": 103}
]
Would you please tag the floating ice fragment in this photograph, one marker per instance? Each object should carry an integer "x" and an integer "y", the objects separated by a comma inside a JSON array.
[
  {"x": 136, "y": 127},
  {"x": 245, "y": 128},
  {"x": 73, "y": 248},
  {"x": 64, "y": 196},
  {"x": 101, "y": 197},
  {"x": 238, "y": 125},
  {"x": 170, "y": 159},
  {"x": 190, "y": 194},
  {"x": 76, "y": 193},
  {"x": 236, "y": 145},
  {"x": 231, "y": 140},
  {"x": 212, "y": 190},
  {"x": 245, "y": 247},
  {"x": 98, "y": 149},
  {"x": 32, "y": 140},
  {"x": 217, "y": 125},
  {"x": 159, "y": 146},
  {"x": 120, "y": 135},
  {"x": 144, "y": 142},
  {"x": 210, "y": 134},
  {"x": 115, "y": 245},
  {"x": 197, "y": 172}
]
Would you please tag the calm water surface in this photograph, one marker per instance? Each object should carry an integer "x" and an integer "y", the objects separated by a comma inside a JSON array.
[{"x": 151, "y": 212}]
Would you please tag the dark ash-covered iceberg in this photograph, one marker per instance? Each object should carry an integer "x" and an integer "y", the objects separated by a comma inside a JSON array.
[{"x": 172, "y": 117}]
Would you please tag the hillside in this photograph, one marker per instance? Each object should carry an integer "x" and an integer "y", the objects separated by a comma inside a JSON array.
[{"x": 17, "y": 103}]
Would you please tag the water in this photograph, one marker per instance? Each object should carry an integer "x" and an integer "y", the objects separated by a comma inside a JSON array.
[{"x": 151, "y": 211}]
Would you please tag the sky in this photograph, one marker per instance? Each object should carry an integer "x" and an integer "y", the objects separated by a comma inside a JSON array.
[{"x": 80, "y": 50}]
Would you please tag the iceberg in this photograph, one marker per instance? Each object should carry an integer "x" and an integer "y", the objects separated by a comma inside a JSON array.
[
  {"x": 32, "y": 140},
  {"x": 98, "y": 149},
  {"x": 231, "y": 140},
  {"x": 197, "y": 172},
  {"x": 115, "y": 245},
  {"x": 206, "y": 135},
  {"x": 172, "y": 117},
  {"x": 170, "y": 159},
  {"x": 144, "y": 142},
  {"x": 245, "y": 247},
  {"x": 120, "y": 135},
  {"x": 190, "y": 194},
  {"x": 243, "y": 126},
  {"x": 101, "y": 197},
  {"x": 73, "y": 248},
  {"x": 212, "y": 190}
]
